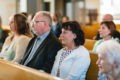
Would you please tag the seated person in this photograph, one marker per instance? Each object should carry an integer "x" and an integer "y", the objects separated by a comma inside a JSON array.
[
  {"x": 72, "y": 61},
  {"x": 106, "y": 29},
  {"x": 65, "y": 19},
  {"x": 42, "y": 49},
  {"x": 15, "y": 44},
  {"x": 106, "y": 17},
  {"x": 56, "y": 25},
  {"x": 109, "y": 60}
]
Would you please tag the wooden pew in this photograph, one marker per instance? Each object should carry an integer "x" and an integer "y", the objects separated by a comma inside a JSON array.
[
  {"x": 10, "y": 71},
  {"x": 89, "y": 31},
  {"x": 89, "y": 44},
  {"x": 92, "y": 73},
  {"x": 117, "y": 26}
]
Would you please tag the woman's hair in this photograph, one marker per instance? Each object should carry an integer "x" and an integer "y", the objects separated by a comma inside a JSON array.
[
  {"x": 111, "y": 49},
  {"x": 110, "y": 25},
  {"x": 21, "y": 24},
  {"x": 25, "y": 13},
  {"x": 116, "y": 35},
  {"x": 76, "y": 29}
]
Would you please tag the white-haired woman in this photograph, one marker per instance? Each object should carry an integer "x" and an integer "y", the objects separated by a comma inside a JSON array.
[{"x": 109, "y": 59}]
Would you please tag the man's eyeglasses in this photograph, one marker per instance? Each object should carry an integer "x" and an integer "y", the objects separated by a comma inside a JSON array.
[{"x": 35, "y": 22}]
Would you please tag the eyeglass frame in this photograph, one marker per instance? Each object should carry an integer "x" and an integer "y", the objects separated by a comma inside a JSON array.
[{"x": 36, "y": 21}]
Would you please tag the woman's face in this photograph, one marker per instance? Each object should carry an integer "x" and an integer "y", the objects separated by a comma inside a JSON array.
[
  {"x": 67, "y": 37},
  {"x": 103, "y": 64},
  {"x": 104, "y": 31},
  {"x": 12, "y": 24}
]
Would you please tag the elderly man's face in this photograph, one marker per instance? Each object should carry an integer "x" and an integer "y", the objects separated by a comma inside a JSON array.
[
  {"x": 39, "y": 24},
  {"x": 103, "y": 64}
]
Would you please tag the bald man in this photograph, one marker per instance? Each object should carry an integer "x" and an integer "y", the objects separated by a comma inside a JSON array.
[{"x": 107, "y": 17}]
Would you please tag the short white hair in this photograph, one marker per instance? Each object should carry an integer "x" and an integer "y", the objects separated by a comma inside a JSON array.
[
  {"x": 46, "y": 14},
  {"x": 111, "y": 49}
]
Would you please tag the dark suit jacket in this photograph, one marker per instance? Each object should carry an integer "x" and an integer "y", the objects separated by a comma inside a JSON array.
[{"x": 44, "y": 57}]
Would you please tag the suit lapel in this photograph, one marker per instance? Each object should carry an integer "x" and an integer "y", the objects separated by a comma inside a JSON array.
[
  {"x": 30, "y": 46},
  {"x": 43, "y": 44}
]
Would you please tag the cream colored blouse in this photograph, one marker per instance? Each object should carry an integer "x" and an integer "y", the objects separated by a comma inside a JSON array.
[{"x": 13, "y": 50}]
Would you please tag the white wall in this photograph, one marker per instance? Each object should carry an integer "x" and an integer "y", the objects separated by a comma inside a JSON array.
[
  {"x": 111, "y": 7},
  {"x": 23, "y": 5},
  {"x": 93, "y": 4},
  {"x": 7, "y": 7}
]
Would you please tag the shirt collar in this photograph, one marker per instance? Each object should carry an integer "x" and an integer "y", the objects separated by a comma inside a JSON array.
[{"x": 44, "y": 35}]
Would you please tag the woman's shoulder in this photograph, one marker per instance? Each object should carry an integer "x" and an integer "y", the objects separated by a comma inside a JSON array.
[
  {"x": 24, "y": 37},
  {"x": 9, "y": 38},
  {"x": 81, "y": 50},
  {"x": 99, "y": 41}
]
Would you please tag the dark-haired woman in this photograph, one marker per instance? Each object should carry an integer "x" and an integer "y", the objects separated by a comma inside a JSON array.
[{"x": 71, "y": 62}]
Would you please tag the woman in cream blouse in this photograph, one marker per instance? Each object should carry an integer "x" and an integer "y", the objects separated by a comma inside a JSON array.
[{"x": 15, "y": 44}]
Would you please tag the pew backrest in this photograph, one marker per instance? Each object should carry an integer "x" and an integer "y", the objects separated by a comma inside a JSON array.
[
  {"x": 10, "y": 71},
  {"x": 92, "y": 73},
  {"x": 89, "y": 44}
]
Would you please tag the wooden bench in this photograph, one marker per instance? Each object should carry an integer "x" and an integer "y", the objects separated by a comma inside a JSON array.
[
  {"x": 92, "y": 73},
  {"x": 10, "y": 71},
  {"x": 89, "y": 44},
  {"x": 89, "y": 31}
]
